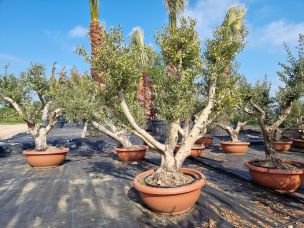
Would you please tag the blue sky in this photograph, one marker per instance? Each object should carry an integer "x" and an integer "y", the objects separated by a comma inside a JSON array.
[{"x": 47, "y": 31}]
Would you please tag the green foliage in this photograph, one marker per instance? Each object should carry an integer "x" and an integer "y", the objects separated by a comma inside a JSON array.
[
  {"x": 14, "y": 87},
  {"x": 181, "y": 48},
  {"x": 231, "y": 109},
  {"x": 221, "y": 66},
  {"x": 293, "y": 74},
  {"x": 118, "y": 63},
  {"x": 121, "y": 65},
  {"x": 228, "y": 40},
  {"x": 9, "y": 116},
  {"x": 174, "y": 86},
  {"x": 77, "y": 97},
  {"x": 296, "y": 116},
  {"x": 26, "y": 88},
  {"x": 289, "y": 93}
]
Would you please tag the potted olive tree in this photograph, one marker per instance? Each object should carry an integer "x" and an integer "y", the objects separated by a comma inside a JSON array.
[
  {"x": 233, "y": 112},
  {"x": 87, "y": 104},
  {"x": 171, "y": 189},
  {"x": 32, "y": 96},
  {"x": 270, "y": 112},
  {"x": 294, "y": 123}
]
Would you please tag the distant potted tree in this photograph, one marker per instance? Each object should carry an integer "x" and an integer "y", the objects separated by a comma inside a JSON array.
[
  {"x": 40, "y": 116},
  {"x": 170, "y": 189},
  {"x": 273, "y": 172},
  {"x": 233, "y": 111},
  {"x": 294, "y": 123}
]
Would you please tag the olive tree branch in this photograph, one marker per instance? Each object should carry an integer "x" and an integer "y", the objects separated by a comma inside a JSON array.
[{"x": 138, "y": 129}]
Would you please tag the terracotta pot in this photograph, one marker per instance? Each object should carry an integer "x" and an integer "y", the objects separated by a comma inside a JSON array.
[
  {"x": 282, "y": 146},
  {"x": 235, "y": 147},
  {"x": 52, "y": 157},
  {"x": 206, "y": 140},
  {"x": 281, "y": 180},
  {"x": 170, "y": 201},
  {"x": 135, "y": 153},
  {"x": 196, "y": 150},
  {"x": 298, "y": 143}
]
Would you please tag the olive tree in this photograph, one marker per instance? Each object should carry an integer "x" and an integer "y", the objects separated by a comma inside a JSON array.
[
  {"x": 294, "y": 122},
  {"x": 270, "y": 112},
  {"x": 231, "y": 111},
  {"x": 31, "y": 94},
  {"x": 174, "y": 79}
]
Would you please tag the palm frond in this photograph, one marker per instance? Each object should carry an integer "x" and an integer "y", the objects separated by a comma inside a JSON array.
[
  {"x": 137, "y": 37},
  {"x": 234, "y": 18},
  {"x": 94, "y": 7},
  {"x": 175, "y": 7}
]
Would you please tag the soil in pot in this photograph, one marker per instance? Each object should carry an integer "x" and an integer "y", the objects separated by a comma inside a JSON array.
[
  {"x": 264, "y": 173},
  {"x": 235, "y": 147},
  {"x": 170, "y": 200},
  {"x": 282, "y": 145},
  {"x": 299, "y": 143},
  {"x": 206, "y": 140},
  {"x": 52, "y": 157},
  {"x": 196, "y": 150},
  {"x": 135, "y": 153}
]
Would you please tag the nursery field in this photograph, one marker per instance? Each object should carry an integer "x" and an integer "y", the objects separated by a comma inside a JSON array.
[{"x": 94, "y": 189}]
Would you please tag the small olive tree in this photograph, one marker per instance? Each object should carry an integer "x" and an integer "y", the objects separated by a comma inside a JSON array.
[
  {"x": 272, "y": 111},
  {"x": 32, "y": 95},
  {"x": 294, "y": 122},
  {"x": 231, "y": 111}
]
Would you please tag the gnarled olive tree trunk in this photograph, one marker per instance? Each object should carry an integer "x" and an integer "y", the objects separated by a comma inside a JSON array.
[
  {"x": 269, "y": 131},
  {"x": 84, "y": 130},
  {"x": 119, "y": 136},
  {"x": 169, "y": 161},
  {"x": 40, "y": 137},
  {"x": 233, "y": 132}
]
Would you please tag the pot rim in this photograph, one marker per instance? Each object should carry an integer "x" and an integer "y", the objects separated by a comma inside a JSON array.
[
  {"x": 240, "y": 143},
  {"x": 132, "y": 149},
  {"x": 53, "y": 150},
  {"x": 283, "y": 142},
  {"x": 194, "y": 146},
  {"x": 206, "y": 136},
  {"x": 170, "y": 191},
  {"x": 274, "y": 171},
  {"x": 298, "y": 140}
]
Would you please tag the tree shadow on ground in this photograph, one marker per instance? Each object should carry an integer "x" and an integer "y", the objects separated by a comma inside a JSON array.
[{"x": 110, "y": 165}]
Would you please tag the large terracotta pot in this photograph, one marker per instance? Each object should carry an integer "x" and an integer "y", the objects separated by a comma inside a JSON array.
[
  {"x": 298, "y": 143},
  {"x": 52, "y": 157},
  {"x": 196, "y": 150},
  {"x": 281, "y": 180},
  {"x": 206, "y": 140},
  {"x": 235, "y": 147},
  {"x": 282, "y": 146},
  {"x": 170, "y": 201},
  {"x": 131, "y": 154}
]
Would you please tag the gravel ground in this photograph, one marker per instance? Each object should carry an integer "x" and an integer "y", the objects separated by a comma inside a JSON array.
[{"x": 7, "y": 131}]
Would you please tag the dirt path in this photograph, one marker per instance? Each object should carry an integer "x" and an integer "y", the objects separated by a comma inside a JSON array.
[{"x": 7, "y": 131}]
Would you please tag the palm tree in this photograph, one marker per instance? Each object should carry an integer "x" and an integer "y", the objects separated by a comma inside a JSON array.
[
  {"x": 144, "y": 88},
  {"x": 95, "y": 36},
  {"x": 174, "y": 8}
]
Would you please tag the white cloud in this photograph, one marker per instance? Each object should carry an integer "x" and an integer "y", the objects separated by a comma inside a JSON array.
[
  {"x": 209, "y": 14},
  {"x": 78, "y": 32},
  {"x": 277, "y": 32}
]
